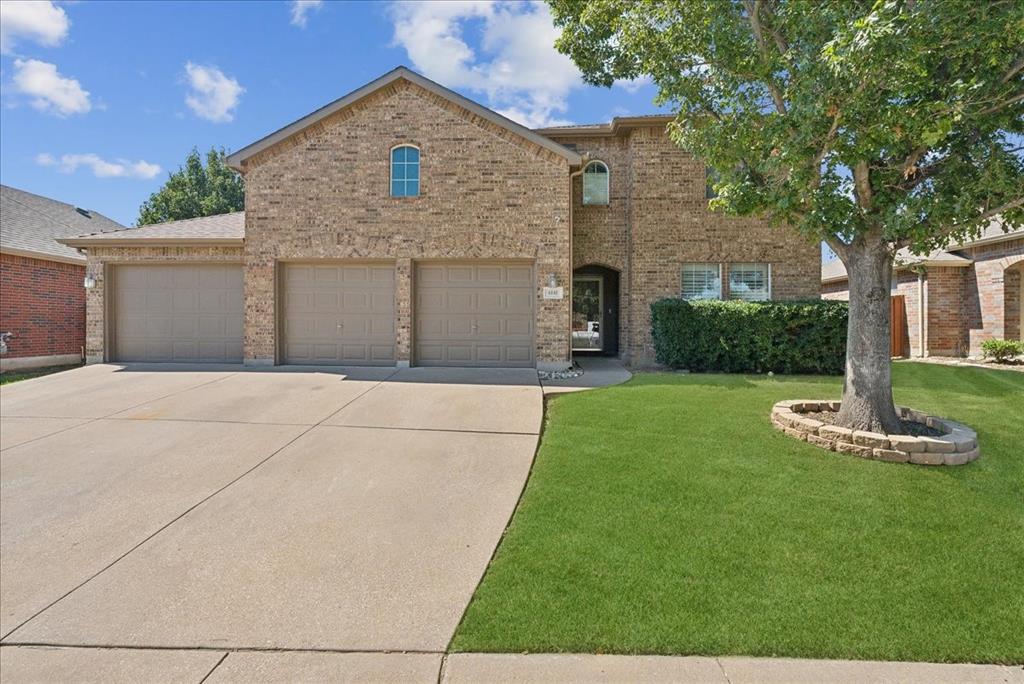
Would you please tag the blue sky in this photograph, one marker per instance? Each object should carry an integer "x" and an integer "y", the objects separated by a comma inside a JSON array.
[{"x": 101, "y": 99}]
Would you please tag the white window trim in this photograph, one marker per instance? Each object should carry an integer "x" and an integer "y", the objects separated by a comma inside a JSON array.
[
  {"x": 607, "y": 185},
  {"x": 391, "y": 170},
  {"x": 768, "y": 275},
  {"x": 718, "y": 277}
]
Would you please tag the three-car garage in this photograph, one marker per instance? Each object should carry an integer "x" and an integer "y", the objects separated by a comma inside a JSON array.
[{"x": 463, "y": 313}]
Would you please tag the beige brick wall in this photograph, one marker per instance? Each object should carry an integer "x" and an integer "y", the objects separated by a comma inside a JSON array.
[
  {"x": 98, "y": 264},
  {"x": 657, "y": 219},
  {"x": 965, "y": 306},
  {"x": 485, "y": 193},
  {"x": 992, "y": 292}
]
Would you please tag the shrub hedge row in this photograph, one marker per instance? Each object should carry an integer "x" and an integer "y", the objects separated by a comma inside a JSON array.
[{"x": 751, "y": 337}]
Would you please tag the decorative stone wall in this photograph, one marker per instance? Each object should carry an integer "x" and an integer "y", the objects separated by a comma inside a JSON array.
[
  {"x": 958, "y": 444},
  {"x": 99, "y": 257},
  {"x": 484, "y": 193}
]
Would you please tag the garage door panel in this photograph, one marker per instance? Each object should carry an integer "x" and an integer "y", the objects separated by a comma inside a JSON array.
[
  {"x": 177, "y": 312},
  {"x": 474, "y": 314},
  {"x": 342, "y": 314}
]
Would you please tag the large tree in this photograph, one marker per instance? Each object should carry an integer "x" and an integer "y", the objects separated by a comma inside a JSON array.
[
  {"x": 871, "y": 125},
  {"x": 195, "y": 190}
]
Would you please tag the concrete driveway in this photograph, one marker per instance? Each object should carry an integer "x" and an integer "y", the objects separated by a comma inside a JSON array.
[{"x": 216, "y": 510}]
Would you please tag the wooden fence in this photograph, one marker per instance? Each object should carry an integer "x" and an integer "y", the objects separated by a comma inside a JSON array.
[{"x": 898, "y": 325}]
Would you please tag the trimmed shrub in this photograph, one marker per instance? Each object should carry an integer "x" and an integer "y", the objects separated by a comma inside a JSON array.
[
  {"x": 1001, "y": 351},
  {"x": 751, "y": 337}
]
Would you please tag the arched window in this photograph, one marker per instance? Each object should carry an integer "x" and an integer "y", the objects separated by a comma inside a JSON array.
[
  {"x": 405, "y": 171},
  {"x": 595, "y": 183}
]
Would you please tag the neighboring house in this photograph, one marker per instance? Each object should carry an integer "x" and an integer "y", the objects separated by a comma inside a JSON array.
[
  {"x": 964, "y": 294},
  {"x": 406, "y": 225},
  {"x": 42, "y": 302}
]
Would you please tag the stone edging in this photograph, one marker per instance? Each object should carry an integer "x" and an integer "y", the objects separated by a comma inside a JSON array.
[{"x": 959, "y": 444}]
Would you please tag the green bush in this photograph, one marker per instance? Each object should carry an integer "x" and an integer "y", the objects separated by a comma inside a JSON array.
[
  {"x": 1001, "y": 351},
  {"x": 751, "y": 337}
]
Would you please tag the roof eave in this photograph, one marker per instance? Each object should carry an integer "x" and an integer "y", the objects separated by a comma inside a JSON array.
[
  {"x": 237, "y": 159},
  {"x": 43, "y": 256},
  {"x": 147, "y": 242}
]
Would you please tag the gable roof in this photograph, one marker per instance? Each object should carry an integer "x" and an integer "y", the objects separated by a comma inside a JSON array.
[
  {"x": 220, "y": 229},
  {"x": 30, "y": 225},
  {"x": 835, "y": 271},
  {"x": 237, "y": 159}
]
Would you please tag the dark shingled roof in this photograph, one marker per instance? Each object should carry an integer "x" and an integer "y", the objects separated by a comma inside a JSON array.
[{"x": 30, "y": 225}]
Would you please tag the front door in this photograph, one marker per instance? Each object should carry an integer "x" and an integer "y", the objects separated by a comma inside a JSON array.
[{"x": 587, "y": 317}]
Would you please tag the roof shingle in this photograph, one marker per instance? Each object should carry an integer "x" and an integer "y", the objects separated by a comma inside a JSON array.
[{"x": 31, "y": 224}]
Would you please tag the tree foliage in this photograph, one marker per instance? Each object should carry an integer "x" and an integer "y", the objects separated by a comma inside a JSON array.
[
  {"x": 840, "y": 117},
  {"x": 196, "y": 190},
  {"x": 870, "y": 124}
]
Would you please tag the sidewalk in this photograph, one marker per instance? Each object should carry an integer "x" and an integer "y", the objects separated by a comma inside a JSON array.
[{"x": 35, "y": 663}]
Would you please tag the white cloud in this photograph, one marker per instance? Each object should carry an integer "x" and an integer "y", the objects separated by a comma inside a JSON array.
[
  {"x": 213, "y": 95},
  {"x": 517, "y": 68},
  {"x": 41, "y": 22},
  {"x": 101, "y": 168},
  {"x": 301, "y": 10},
  {"x": 49, "y": 90},
  {"x": 633, "y": 86}
]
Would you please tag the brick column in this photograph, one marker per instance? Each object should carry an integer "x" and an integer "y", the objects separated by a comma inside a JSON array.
[{"x": 403, "y": 311}]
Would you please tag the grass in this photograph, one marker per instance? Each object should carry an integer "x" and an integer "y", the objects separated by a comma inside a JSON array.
[
  {"x": 667, "y": 516},
  {"x": 8, "y": 377}
]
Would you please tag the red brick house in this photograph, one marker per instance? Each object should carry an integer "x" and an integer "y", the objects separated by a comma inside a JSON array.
[
  {"x": 955, "y": 298},
  {"x": 42, "y": 301},
  {"x": 404, "y": 224}
]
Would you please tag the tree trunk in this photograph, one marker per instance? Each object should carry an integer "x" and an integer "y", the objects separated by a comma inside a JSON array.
[{"x": 867, "y": 387}]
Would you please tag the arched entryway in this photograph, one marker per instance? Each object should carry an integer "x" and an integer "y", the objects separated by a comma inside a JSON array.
[{"x": 595, "y": 310}]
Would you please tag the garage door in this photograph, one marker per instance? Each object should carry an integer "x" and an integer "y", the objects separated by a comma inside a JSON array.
[
  {"x": 180, "y": 313},
  {"x": 339, "y": 314},
  {"x": 474, "y": 314}
]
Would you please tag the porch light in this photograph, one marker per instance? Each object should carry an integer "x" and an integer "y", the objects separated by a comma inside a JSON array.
[
  {"x": 552, "y": 280},
  {"x": 89, "y": 282}
]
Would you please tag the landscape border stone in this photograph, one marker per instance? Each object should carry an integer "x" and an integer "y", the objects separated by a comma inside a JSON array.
[{"x": 957, "y": 445}]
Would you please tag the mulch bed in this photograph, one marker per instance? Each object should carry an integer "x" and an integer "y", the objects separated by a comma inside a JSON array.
[{"x": 908, "y": 427}]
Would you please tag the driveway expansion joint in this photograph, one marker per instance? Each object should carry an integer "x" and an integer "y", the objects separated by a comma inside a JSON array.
[
  {"x": 217, "y": 649},
  {"x": 186, "y": 511}
]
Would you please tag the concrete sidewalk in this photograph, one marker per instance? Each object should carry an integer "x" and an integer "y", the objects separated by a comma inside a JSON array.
[{"x": 25, "y": 663}]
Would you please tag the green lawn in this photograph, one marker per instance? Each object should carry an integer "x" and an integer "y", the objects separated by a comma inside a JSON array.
[
  {"x": 8, "y": 377},
  {"x": 667, "y": 516}
]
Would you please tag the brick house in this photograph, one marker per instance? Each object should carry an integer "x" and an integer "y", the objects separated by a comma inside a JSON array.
[
  {"x": 404, "y": 224},
  {"x": 964, "y": 294},
  {"x": 42, "y": 303}
]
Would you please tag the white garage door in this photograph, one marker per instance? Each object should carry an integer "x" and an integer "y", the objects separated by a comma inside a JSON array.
[
  {"x": 180, "y": 313},
  {"x": 339, "y": 314},
  {"x": 474, "y": 314}
]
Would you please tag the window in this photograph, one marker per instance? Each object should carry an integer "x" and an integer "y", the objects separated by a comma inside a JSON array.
[
  {"x": 750, "y": 282},
  {"x": 702, "y": 281},
  {"x": 405, "y": 171},
  {"x": 595, "y": 183}
]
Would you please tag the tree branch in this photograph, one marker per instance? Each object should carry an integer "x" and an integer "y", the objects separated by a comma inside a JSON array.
[
  {"x": 862, "y": 185},
  {"x": 1014, "y": 68},
  {"x": 1006, "y": 103},
  {"x": 838, "y": 246},
  {"x": 753, "y": 13}
]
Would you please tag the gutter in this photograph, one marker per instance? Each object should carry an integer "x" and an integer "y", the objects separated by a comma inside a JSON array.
[
  {"x": 149, "y": 242},
  {"x": 42, "y": 256}
]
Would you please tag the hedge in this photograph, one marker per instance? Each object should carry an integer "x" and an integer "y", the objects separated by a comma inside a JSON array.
[{"x": 751, "y": 337}]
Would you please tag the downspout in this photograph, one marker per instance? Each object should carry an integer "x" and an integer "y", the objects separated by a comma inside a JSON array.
[
  {"x": 585, "y": 159},
  {"x": 921, "y": 313}
]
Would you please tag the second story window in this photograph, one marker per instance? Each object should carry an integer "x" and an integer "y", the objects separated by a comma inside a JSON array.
[
  {"x": 405, "y": 171},
  {"x": 595, "y": 183}
]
